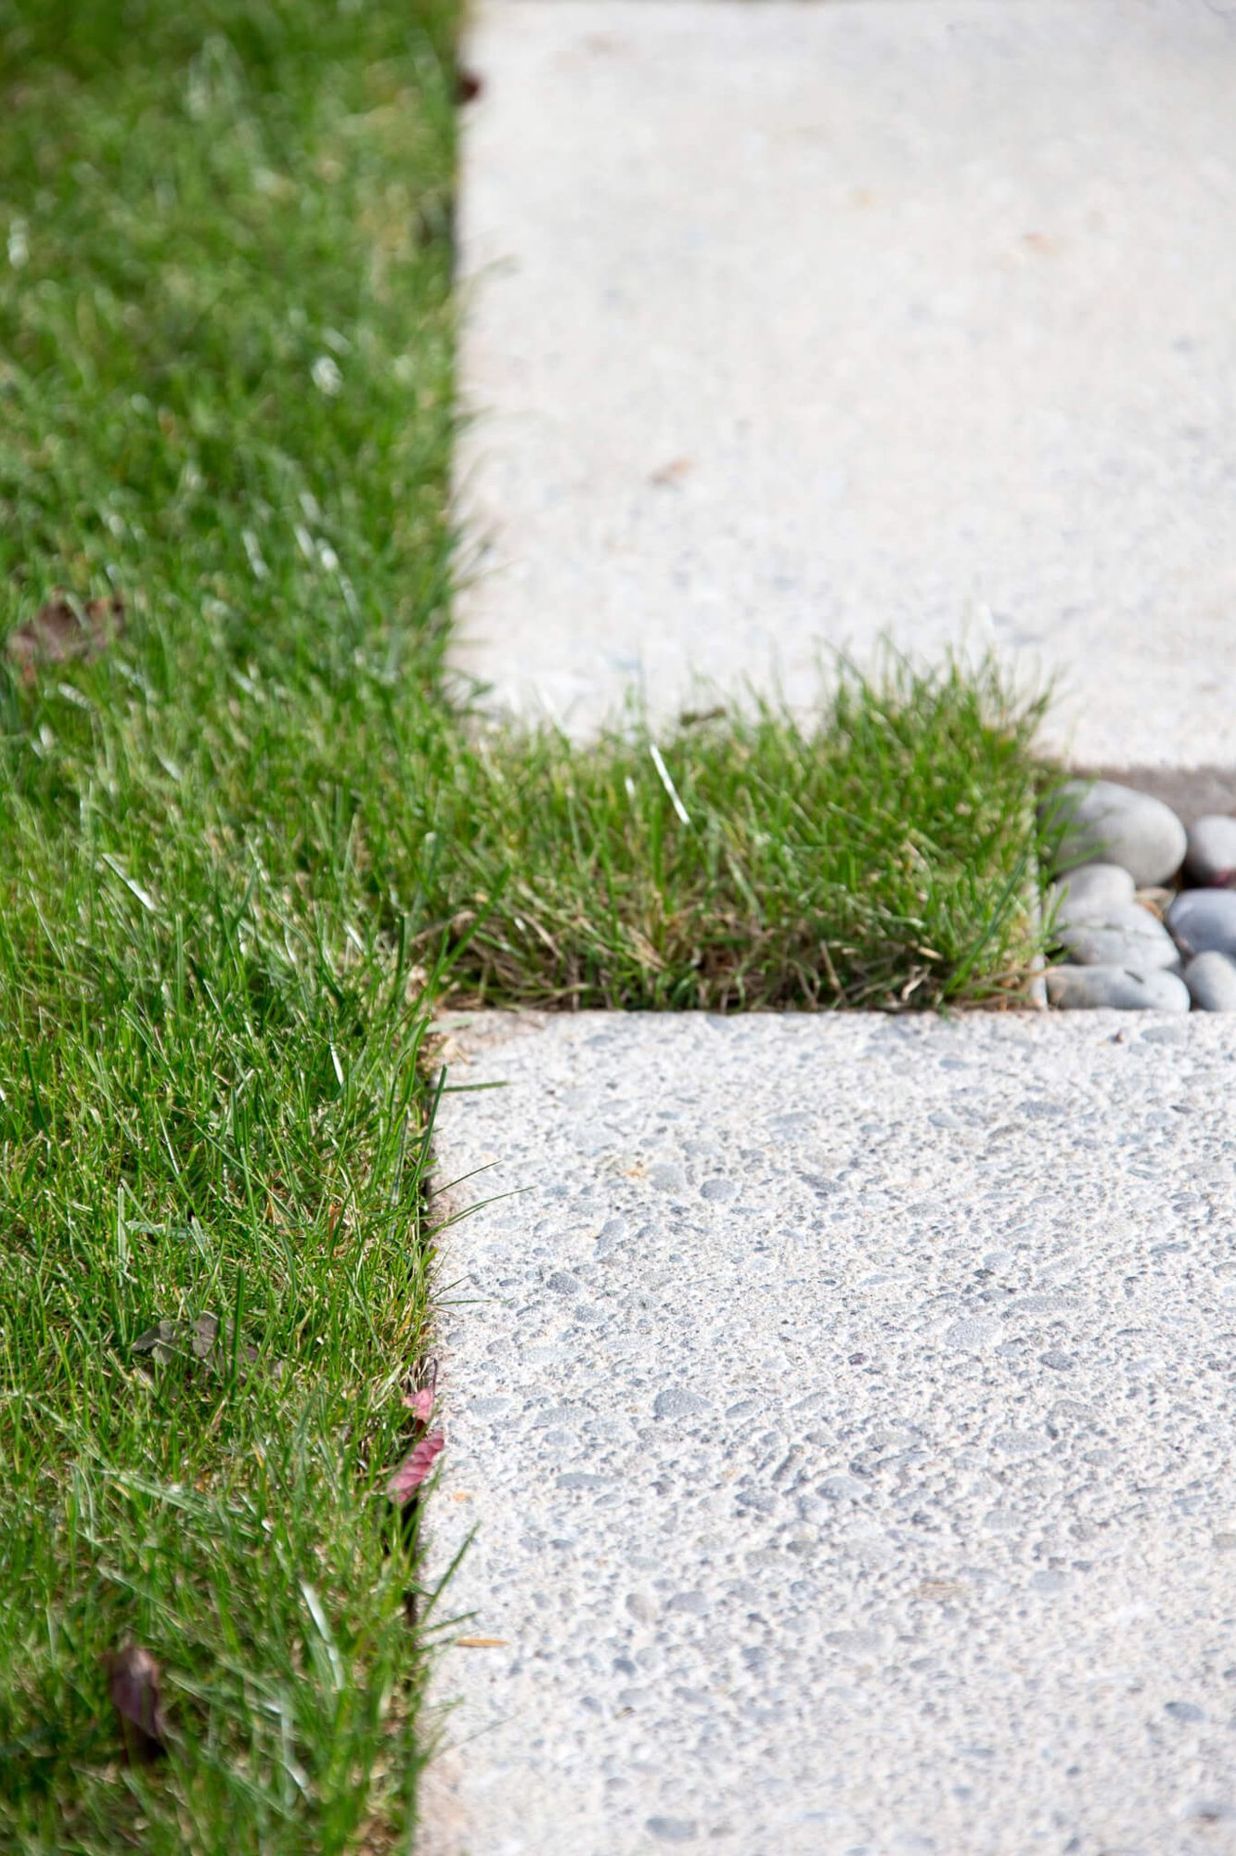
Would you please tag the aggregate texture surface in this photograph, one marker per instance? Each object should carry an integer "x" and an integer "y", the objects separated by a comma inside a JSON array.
[
  {"x": 846, "y": 1409},
  {"x": 792, "y": 325}
]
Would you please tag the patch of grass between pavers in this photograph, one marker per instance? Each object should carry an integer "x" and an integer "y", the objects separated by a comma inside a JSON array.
[{"x": 884, "y": 856}]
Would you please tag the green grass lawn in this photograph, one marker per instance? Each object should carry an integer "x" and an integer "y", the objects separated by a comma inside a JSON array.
[
  {"x": 247, "y": 846},
  {"x": 225, "y": 378}
]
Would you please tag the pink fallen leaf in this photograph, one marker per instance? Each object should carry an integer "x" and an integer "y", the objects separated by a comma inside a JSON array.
[
  {"x": 420, "y": 1404},
  {"x": 415, "y": 1467}
]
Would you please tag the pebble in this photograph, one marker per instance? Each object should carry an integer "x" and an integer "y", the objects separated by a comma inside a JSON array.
[
  {"x": 1090, "y": 892},
  {"x": 1126, "y": 936},
  {"x": 677, "y": 1402},
  {"x": 1080, "y": 989},
  {"x": 1122, "y": 826},
  {"x": 1211, "y": 979},
  {"x": 1211, "y": 857},
  {"x": 672, "y": 1829},
  {"x": 1204, "y": 921}
]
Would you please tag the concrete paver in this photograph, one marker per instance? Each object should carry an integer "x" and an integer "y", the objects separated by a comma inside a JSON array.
[
  {"x": 792, "y": 324},
  {"x": 846, "y": 1407}
]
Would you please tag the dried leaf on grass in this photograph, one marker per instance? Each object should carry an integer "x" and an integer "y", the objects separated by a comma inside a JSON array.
[
  {"x": 66, "y": 628},
  {"x": 133, "y": 1682},
  {"x": 200, "y": 1339}
]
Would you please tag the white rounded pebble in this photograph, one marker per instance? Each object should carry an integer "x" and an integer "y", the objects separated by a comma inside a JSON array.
[
  {"x": 1119, "y": 825},
  {"x": 1084, "y": 989},
  {"x": 1128, "y": 936},
  {"x": 1090, "y": 892},
  {"x": 1211, "y": 857},
  {"x": 1211, "y": 979},
  {"x": 1203, "y": 921}
]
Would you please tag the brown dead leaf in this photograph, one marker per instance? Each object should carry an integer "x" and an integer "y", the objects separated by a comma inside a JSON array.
[
  {"x": 468, "y": 85},
  {"x": 203, "y": 1339},
  {"x": 481, "y": 1643},
  {"x": 133, "y": 1682},
  {"x": 66, "y": 628},
  {"x": 162, "y": 1341},
  {"x": 670, "y": 473}
]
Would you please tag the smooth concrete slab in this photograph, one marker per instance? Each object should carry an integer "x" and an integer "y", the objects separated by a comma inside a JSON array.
[
  {"x": 846, "y": 1407},
  {"x": 790, "y": 325}
]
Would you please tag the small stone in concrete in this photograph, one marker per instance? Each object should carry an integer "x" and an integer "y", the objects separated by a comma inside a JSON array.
[
  {"x": 1203, "y": 921},
  {"x": 1122, "y": 826},
  {"x": 1129, "y": 936},
  {"x": 1090, "y": 892},
  {"x": 1211, "y": 979},
  {"x": 1211, "y": 856},
  {"x": 1118, "y": 989},
  {"x": 1212, "y": 1811},
  {"x": 677, "y": 1402},
  {"x": 673, "y": 1829}
]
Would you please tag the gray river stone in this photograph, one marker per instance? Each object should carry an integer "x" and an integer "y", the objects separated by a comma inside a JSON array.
[
  {"x": 1120, "y": 826},
  {"x": 1211, "y": 979},
  {"x": 1117, "y": 989},
  {"x": 1211, "y": 856},
  {"x": 1203, "y": 921},
  {"x": 1090, "y": 893},
  {"x": 1127, "y": 936}
]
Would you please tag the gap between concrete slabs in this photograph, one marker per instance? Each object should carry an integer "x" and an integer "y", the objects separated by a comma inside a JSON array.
[{"x": 845, "y": 1411}]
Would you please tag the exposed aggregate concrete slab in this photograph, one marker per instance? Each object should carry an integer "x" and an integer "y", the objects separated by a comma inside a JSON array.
[
  {"x": 846, "y": 1410},
  {"x": 790, "y": 325}
]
